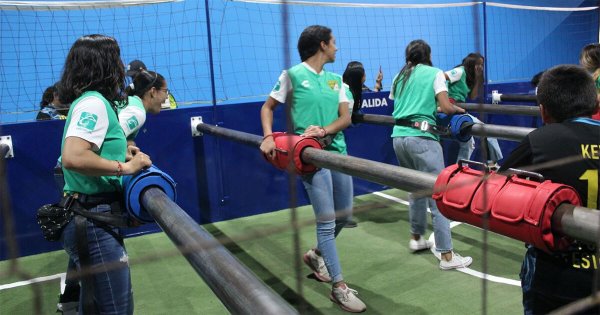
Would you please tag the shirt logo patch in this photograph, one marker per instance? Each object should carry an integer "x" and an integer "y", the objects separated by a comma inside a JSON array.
[
  {"x": 277, "y": 86},
  {"x": 87, "y": 121},
  {"x": 453, "y": 72},
  {"x": 132, "y": 123},
  {"x": 305, "y": 84},
  {"x": 333, "y": 84}
]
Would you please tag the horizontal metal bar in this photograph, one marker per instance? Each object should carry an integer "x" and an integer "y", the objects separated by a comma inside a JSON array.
[
  {"x": 526, "y": 110},
  {"x": 477, "y": 130},
  {"x": 518, "y": 98},
  {"x": 577, "y": 222},
  {"x": 3, "y": 150},
  {"x": 231, "y": 281}
]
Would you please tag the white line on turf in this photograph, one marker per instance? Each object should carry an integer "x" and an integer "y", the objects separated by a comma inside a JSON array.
[
  {"x": 468, "y": 271},
  {"x": 60, "y": 276}
]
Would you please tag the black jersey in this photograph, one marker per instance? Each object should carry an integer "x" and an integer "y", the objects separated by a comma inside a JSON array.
[{"x": 566, "y": 153}]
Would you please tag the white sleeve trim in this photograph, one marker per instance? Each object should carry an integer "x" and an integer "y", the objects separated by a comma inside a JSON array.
[
  {"x": 131, "y": 119},
  {"x": 455, "y": 74},
  {"x": 392, "y": 87},
  {"x": 439, "y": 84},
  {"x": 282, "y": 88},
  {"x": 343, "y": 98},
  {"x": 89, "y": 121}
]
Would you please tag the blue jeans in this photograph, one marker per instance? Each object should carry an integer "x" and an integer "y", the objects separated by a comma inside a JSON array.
[
  {"x": 425, "y": 155},
  {"x": 466, "y": 148},
  {"x": 112, "y": 285},
  {"x": 330, "y": 194}
]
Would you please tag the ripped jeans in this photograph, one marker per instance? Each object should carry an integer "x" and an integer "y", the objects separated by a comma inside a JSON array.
[
  {"x": 112, "y": 281},
  {"x": 330, "y": 194}
]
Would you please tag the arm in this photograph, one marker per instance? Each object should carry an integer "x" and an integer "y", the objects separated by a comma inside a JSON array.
[
  {"x": 266, "y": 119},
  {"x": 342, "y": 122},
  {"x": 131, "y": 119},
  {"x": 77, "y": 155},
  {"x": 441, "y": 95},
  {"x": 378, "y": 81}
]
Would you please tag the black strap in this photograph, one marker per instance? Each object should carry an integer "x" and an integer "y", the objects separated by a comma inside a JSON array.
[
  {"x": 87, "y": 304},
  {"x": 424, "y": 126}
]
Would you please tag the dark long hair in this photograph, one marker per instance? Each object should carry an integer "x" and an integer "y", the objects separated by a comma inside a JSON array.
[
  {"x": 353, "y": 76},
  {"x": 144, "y": 81},
  {"x": 417, "y": 52},
  {"x": 469, "y": 63},
  {"x": 310, "y": 40},
  {"x": 94, "y": 64}
]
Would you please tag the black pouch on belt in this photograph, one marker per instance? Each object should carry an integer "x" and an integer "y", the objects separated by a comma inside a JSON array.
[{"x": 52, "y": 218}]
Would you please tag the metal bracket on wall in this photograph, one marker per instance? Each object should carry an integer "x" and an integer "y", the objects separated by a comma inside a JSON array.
[
  {"x": 8, "y": 141},
  {"x": 195, "y": 121}
]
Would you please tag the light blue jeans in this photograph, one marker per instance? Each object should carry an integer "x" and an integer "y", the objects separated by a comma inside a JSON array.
[
  {"x": 330, "y": 194},
  {"x": 466, "y": 148},
  {"x": 424, "y": 155}
]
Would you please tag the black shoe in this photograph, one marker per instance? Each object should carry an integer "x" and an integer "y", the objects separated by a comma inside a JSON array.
[
  {"x": 351, "y": 224},
  {"x": 69, "y": 300}
]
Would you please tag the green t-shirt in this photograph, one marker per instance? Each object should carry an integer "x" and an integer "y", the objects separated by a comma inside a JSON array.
[
  {"x": 315, "y": 101},
  {"x": 132, "y": 117},
  {"x": 598, "y": 83},
  {"x": 416, "y": 101},
  {"x": 93, "y": 119},
  {"x": 459, "y": 90}
]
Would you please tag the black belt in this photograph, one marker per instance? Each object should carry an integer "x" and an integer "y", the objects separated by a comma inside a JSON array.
[{"x": 424, "y": 126}]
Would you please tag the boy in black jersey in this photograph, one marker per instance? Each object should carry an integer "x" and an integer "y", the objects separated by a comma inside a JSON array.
[{"x": 569, "y": 146}]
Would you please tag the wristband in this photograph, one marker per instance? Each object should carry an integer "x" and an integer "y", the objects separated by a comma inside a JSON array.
[
  {"x": 269, "y": 135},
  {"x": 119, "y": 169}
]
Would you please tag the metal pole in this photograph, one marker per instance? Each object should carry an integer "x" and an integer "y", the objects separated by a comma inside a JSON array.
[
  {"x": 577, "y": 222},
  {"x": 518, "y": 98},
  {"x": 478, "y": 130},
  {"x": 3, "y": 150},
  {"x": 231, "y": 281},
  {"x": 525, "y": 110}
]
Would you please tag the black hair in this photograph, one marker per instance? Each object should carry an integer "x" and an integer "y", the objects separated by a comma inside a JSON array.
[
  {"x": 353, "y": 76},
  {"x": 143, "y": 81},
  {"x": 310, "y": 40},
  {"x": 417, "y": 52},
  {"x": 48, "y": 96},
  {"x": 535, "y": 80},
  {"x": 94, "y": 64},
  {"x": 567, "y": 91},
  {"x": 469, "y": 63}
]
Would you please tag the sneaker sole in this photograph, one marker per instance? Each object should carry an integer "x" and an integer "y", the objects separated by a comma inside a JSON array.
[
  {"x": 334, "y": 300},
  {"x": 317, "y": 275},
  {"x": 457, "y": 267}
]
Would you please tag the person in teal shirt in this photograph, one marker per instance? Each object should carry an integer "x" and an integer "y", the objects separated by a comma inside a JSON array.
[
  {"x": 466, "y": 80},
  {"x": 418, "y": 90},
  {"x": 319, "y": 107},
  {"x": 93, "y": 160}
]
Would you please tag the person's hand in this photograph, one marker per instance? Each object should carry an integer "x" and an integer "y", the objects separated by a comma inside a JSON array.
[
  {"x": 139, "y": 161},
  {"x": 267, "y": 147},
  {"x": 379, "y": 80},
  {"x": 314, "y": 131},
  {"x": 131, "y": 152},
  {"x": 458, "y": 110}
]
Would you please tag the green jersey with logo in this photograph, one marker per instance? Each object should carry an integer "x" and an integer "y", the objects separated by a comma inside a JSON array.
[
  {"x": 132, "y": 117},
  {"x": 416, "y": 101},
  {"x": 315, "y": 101},
  {"x": 458, "y": 90},
  {"x": 598, "y": 83},
  {"x": 92, "y": 118}
]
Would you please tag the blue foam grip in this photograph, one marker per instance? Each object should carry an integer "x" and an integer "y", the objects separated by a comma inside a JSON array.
[
  {"x": 134, "y": 185},
  {"x": 455, "y": 124}
]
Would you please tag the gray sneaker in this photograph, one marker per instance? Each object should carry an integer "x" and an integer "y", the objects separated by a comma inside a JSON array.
[
  {"x": 317, "y": 265},
  {"x": 346, "y": 299},
  {"x": 456, "y": 262}
]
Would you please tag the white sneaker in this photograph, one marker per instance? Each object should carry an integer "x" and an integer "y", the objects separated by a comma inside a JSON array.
[
  {"x": 457, "y": 261},
  {"x": 317, "y": 265},
  {"x": 346, "y": 299},
  {"x": 421, "y": 244}
]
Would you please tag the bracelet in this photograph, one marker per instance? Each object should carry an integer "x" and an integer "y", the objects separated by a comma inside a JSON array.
[
  {"x": 269, "y": 135},
  {"x": 119, "y": 169},
  {"x": 324, "y": 131}
]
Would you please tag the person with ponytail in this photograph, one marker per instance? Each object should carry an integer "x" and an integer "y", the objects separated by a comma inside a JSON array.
[
  {"x": 466, "y": 80},
  {"x": 147, "y": 91},
  {"x": 590, "y": 60},
  {"x": 418, "y": 90}
]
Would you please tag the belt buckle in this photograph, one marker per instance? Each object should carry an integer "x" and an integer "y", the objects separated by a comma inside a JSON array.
[{"x": 424, "y": 126}]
